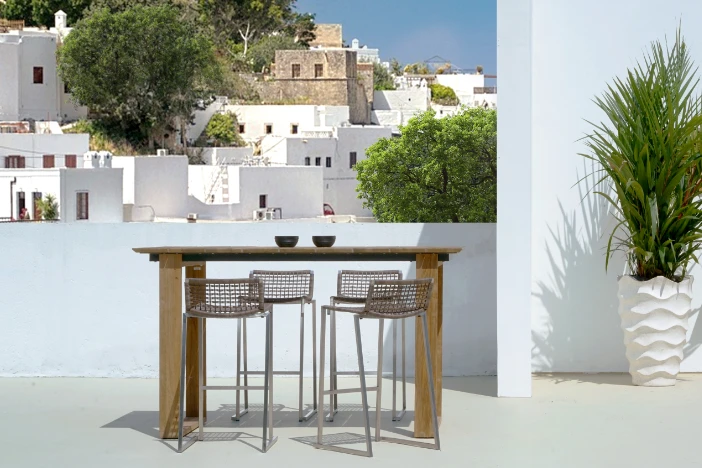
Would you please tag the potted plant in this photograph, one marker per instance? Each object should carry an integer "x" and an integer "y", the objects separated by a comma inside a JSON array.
[{"x": 649, "y": 157}]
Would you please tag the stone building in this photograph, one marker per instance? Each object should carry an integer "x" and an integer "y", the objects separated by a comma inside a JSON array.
[
  {"x": 321, "y": 77},
  {"x": 327, "y": 35}
]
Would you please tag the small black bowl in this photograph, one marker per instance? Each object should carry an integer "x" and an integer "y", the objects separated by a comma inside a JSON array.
[
  {"x": 323, "y": 241},
  {"x": 286, "y": 241}
]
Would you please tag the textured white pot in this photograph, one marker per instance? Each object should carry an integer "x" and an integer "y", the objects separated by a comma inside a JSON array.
[{"x": 654, "y": 317}]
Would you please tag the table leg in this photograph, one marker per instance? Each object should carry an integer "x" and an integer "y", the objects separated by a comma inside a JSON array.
[
  {"x": 192, "y": 401},
  {"x": 170, "y": 332},
  {"x": 428, "y": 267}
]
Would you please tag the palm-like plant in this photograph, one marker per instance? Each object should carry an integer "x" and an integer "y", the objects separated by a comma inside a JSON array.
[
  {"x": 649, "y": 155},
  {"x": 48, "y": 206}
]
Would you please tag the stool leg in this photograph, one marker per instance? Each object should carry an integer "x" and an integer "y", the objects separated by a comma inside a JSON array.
[
  {"x": 332, "y": 366},
  {"x": 181, "y": 405},
  {"x": 404, "y": 372},
  {"x": 300, "y": 389},
  {"x": 238, "y": 369},
  {"x": 364, "y": 393},
  {"x": 201, "y": 378},
  {"x": 320, "y": 395},
  {"x": 395, "y": 415},
  {"x": 314, "y": 355},
  {"x": 394, "y": 370},
  {"x": 378, "y": 394},
  {"x": 268, "y": 439},
  {"x": 246, "y": 366},
  {"x": 435, "y": 420}
]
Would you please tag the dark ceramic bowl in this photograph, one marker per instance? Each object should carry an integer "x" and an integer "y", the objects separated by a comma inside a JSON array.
[
  {"x": 323, "y": 241},
  {"x": 286, "y": 241}
]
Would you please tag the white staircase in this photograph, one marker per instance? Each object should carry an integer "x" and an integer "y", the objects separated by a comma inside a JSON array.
[{"x": 220, "y": 180}]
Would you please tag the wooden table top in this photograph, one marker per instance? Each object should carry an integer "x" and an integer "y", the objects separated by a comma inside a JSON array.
[{"x": 240, "y": 253}]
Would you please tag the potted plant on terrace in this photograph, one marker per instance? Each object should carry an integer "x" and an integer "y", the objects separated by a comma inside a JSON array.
[{"x": 649, "y": 153}]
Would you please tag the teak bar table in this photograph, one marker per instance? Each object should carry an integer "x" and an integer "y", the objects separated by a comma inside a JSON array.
[{"x": 171, "y": 262}]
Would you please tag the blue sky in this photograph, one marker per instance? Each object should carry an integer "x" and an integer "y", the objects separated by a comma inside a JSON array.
[{"x": 463, "y": 32}]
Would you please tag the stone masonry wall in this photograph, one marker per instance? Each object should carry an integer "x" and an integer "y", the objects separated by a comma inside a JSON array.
[{"x": 328, "y": 35}]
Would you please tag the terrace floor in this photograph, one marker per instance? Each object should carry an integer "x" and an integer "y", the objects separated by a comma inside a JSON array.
[{"x": 573, "y": 420}]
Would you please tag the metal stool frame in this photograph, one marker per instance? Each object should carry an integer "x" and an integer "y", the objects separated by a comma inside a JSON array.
[
  {"x": 225, "y": 299},
  {"x": 352, "y": 288},
  {"x": 282, "y": 287},
  {"x": 391, "y": 300}
]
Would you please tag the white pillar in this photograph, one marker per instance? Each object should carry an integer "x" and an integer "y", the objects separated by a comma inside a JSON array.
[{"x": 514, "y": 199}]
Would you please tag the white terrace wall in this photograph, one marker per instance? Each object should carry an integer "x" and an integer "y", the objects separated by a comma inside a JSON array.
[
  {"x": 575, "y": 325},
  {"x": 96, "y": 312}
]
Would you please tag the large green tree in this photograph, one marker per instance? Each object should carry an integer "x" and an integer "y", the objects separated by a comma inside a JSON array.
[
  {"x": 262, "y": 53},
  {"x": 243, "y": 21},
  {"x": 141, "y": 68},
  {"x": 437, "y": 171},
  {"x": 41, "y": 12},
  {"x": 382, "y": 79}
]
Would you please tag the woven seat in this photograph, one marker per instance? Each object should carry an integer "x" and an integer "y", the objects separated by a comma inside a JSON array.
[
  {"x": 409, "y": 298},
  {"x": 217, "y": 299},
  {"x": 279, "y": 288},
  {"x": 352, "y": 288}
]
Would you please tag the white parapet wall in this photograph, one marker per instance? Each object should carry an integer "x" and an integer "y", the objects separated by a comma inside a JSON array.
[{"x": 97, "y": 310}]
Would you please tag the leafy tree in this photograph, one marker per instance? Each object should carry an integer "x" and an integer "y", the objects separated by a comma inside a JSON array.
[
  {"x": 18, "y": 10},
  {"x": 439, "y": 170},
  {"x": 301, "y": 26},
  {"x": 48, "y": 208},
  {"x": 443, "y": 95},
  {"x": 262, "y": 53},
  {"x": 141, "y": 68},
  {"x": 479, "y": 69},
  {"x": 382, "y": 79},
  {"x": 395, "y": 67},
  {"x": 417, "y": 68},
  {"x": 246, "y": 20},
  {"x": 43, "y": 10},
  {"x": 222, "y": 128}
]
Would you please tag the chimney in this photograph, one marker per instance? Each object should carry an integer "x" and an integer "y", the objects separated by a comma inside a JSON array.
[
  {"x": 60, "y": 20},
  {"x": 354, "y": 44}
]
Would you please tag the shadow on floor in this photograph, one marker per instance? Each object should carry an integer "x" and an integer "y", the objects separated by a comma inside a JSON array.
[
  {"x": 348, "y": 416},
  {"x": 603, "y": 378},
  {"x": 480, "y": 385}
]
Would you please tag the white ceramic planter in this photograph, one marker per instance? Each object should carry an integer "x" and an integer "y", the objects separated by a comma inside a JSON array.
[{"x": 654, "y": 317}]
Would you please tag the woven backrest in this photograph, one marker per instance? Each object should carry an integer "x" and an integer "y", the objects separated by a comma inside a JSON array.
[
  {"x": 223, "y": 297},
  {"x": 354, "y": 284},
  {"x": 399, "y": 298},
  {"x": 285, "y": 286}
]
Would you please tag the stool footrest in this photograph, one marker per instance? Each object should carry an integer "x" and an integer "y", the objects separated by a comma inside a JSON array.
[
  {"x": 349, "y": 390},
  {"x": 233, "y": 387},
  {"x": 274, "y": 372}
]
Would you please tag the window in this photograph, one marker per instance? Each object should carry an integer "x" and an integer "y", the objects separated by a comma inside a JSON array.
[
  {"x": 14, "y": 162},
  {"x": 328, "y": 162},
  {"x": 21, "y": 205},
  {"x": 36, "y": 197},
  {"x": 296, "y": 70},
  {"x": 307, "y": 161},
  {"x": 352, "y": 159},
  {"x": 242, "y": 128},
  {"x": 318, "y": 70},
  {"x": 263, "y": 201},
  {"x": 38, "y": 75},
  {"x": 269, "y": 129},
  {"x": 82, "y": 205},
  {"x": 71, "y": 160},
  {"x": 48, "y": 161},
  {"x": 294, "y": 129},
  {"x": 66, "y": 89},
  {"x": 317, "y": 161}
]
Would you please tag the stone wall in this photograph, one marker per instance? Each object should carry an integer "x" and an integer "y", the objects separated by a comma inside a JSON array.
[
  {"x": 328, "y": 35},
  {"x": 309, "y": 91},
  {"x": 365, "y": 77},
  {"x": 336, "y": 63}
]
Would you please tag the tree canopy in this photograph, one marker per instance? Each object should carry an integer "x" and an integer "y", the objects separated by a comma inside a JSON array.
[
  {"x": 41, "y": 12},
  {"x": 438, "y": 171},
  {"x": 382, "y": 79},
  {"x": 262, "y": 53},
  {"x": 140, "y": 67}
]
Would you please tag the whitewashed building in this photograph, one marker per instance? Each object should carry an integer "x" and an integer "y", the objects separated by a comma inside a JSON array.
[
  {"x": 258, "y": 121},
  {"x": 167, "y": 188},
  {"x": 30, "y": 87},
  {"x": 396, "y": 107},
  {"x": 90, "y": 193},
  {"x": 336, "y": 151},
  {"x": 470, "y": 89}
]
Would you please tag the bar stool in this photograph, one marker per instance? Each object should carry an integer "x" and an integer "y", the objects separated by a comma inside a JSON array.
[
  {"x": 352, "y": 288},
  {"x": 392, "y": 300},
  {"x": 283, "y": 287},
  {"x": 226, "y": 298}
]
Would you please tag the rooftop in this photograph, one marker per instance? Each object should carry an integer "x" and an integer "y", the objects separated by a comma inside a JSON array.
[{"x": 573, "y": 420}]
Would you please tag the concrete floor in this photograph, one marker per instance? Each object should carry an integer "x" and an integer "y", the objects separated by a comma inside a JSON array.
[{"x": 571, "y": 421}]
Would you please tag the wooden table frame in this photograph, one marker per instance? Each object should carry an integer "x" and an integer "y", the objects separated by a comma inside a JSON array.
[{"x": 429, "y": 264}]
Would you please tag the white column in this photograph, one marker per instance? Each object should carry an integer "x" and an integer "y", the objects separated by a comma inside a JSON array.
[{"x": 514, "y": 199}]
